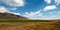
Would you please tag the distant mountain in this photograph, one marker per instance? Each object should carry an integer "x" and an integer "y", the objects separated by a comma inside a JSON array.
[{"x": 11, "y": 16}]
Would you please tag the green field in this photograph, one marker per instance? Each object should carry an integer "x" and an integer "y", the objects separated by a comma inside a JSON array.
[{"x": 25, "y": 20}]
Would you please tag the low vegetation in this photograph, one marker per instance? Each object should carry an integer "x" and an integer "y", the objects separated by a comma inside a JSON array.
[
  {"x": 14, "y": 20},
  {"x": 30, "y": 25}
]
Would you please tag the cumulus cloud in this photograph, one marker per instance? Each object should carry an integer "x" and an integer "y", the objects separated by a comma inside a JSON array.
[
  {"x": 33, "y": 14},
  {"x": 57, "y": 2},
  {"x": 15, "y": 3},
  {"x": 48, "y": 1},
  {"x": 3, "y": 9},
  {"x": 50, "y": 7}
]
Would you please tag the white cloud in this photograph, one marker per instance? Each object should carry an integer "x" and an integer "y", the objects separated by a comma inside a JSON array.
[
  {"x": 3, "y": 9},
  {"x": 39, "y": 16},
  {"x": 51, "y": 13},
  {"x": 12, "y": 8},
  {"x": 44, "y": 18},
  {"x": 15, "y": 3},
  {"x": 50, "y": 7},
  {"x": 58, "y": 12},
  {"x": 48, "y": 1},
  {"x": 33, "y": 14},
  {"x": 57, "y": 2},
  {"x": 15, "y": 13}
]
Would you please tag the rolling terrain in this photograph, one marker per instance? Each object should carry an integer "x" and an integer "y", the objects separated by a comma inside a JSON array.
[
  {"x": 11, "y": 16},
  {"x": 10, "y": 21}
]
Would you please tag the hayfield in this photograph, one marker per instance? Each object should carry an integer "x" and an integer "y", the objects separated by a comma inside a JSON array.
[{"x": 29, "y": 24}]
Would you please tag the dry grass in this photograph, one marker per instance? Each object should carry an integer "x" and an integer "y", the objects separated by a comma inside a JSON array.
[{"x": 55, "y": 25}]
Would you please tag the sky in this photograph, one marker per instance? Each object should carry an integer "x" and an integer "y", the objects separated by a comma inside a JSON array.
[{"x": 32, "y": 9}]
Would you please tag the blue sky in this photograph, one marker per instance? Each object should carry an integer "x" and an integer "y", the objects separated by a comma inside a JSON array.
[{"x": 33, "y": 9}]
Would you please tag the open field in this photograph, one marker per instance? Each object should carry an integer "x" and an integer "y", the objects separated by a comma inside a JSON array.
[
  {"x": 28, "y": 25},
  {"x": 26, "y": 20}
]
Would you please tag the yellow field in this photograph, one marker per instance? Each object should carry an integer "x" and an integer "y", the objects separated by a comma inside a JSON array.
[{"x": 53, "y": 25}]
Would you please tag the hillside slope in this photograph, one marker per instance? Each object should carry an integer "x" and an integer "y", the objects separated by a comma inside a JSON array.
[{"x": 10, "y": 16}]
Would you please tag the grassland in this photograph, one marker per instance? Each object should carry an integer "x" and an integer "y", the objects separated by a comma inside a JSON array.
[
  {"x": 29, "y": 24},
  {"x": 25, "y": 20}
]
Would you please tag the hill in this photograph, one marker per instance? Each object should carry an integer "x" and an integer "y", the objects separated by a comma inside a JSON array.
[{"x": 11, "y": 16}]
